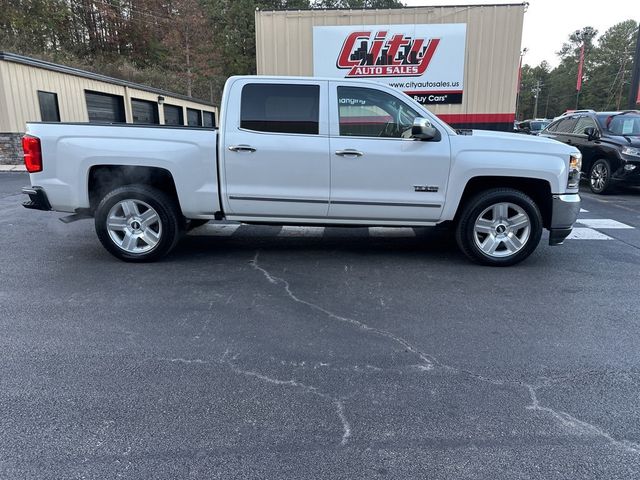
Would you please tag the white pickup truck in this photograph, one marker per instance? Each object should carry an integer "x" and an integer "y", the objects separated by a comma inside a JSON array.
[{"x": 301, "y": 151}]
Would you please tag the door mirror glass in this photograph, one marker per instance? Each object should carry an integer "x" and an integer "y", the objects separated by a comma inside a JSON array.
[
  {"x": 423, "y": 130},
  {"x": 591, "y": 133}
]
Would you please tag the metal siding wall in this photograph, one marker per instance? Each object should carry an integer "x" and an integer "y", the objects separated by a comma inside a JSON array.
[
  {"x": 284, "y": 46},
  {"x": 19, "y": 95},
  {"x": 4, "y": 100}
]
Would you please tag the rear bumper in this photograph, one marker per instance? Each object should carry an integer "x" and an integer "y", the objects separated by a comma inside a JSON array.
[
  {"x": 37, "y": 199},
  {"x": 564, "y": 214}
]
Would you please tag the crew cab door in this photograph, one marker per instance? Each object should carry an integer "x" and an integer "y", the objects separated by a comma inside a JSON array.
[
  {"x": 275, "y": 149},
  {"x": 377, "y": 171}
]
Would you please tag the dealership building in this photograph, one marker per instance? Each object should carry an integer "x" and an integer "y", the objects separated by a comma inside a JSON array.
[
  {"x": 33, "y": 90},
  {"x": 460, "y": 61}
]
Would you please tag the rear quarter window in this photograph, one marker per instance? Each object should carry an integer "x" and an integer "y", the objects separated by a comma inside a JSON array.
[{"x": 280, "y": 108}]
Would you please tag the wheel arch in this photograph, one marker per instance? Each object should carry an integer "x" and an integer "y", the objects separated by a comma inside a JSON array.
[
  {"x": 538, "y": 189},
  {"x": 105, "y": 178}
]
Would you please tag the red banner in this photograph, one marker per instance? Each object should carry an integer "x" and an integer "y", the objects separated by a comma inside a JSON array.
[{"x": 580, "y": 65}]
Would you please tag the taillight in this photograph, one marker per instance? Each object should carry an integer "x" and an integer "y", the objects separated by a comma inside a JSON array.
[{"x": 32, "y": 153}]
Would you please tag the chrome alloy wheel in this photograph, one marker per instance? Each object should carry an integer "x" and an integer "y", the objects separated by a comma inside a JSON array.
[
  {"x": 502, "y": 230},
  {"x": 599, "y": 176},
  {"x": 134, "y": 226}
]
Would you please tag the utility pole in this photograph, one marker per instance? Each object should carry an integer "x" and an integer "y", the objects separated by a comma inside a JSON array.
[
  {"x": 536, "y": 94},
  {"x": 634, "y": 93}
]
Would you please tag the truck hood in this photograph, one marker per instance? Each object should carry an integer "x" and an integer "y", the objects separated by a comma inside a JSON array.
[{"x": 519, "y": 142}]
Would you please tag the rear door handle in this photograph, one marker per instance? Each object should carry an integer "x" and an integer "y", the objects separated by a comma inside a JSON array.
[
  {"x": 349, "y": 152},
  {"x": 242, "y": 148}
]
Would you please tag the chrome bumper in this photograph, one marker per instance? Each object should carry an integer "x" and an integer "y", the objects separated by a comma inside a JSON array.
[{"x": 565, "y": 211}]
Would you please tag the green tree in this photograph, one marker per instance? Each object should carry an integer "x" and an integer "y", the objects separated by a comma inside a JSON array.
[
  {"x": 534, "y": 81},
  {"x": 357, "y": 4},
  {"x": 611, "y": 66}
]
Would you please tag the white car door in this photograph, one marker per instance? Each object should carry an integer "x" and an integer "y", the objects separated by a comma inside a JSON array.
[
  {"x": 276, "y": 149},
  {"x": 379, "y": 173}
]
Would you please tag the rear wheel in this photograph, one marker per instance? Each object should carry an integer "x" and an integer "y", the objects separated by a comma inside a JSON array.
[
  {"x": 499, "y": 227},
  {"x": 137, "y": 223},
  {"x": 600, "y": 176}
]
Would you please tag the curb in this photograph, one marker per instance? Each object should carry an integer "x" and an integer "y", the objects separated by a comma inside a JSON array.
[{"x": 12, "y": 168}]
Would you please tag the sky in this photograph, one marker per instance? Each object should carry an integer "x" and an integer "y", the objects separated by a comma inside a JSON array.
[{"x": 548, "y": 23}]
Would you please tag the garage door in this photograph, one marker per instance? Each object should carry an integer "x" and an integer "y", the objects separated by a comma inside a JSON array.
[
  {"x": 194, "y": 118},
  {"x": 144, "y": 111},
  {"x": 173, "y": 115},
  {"x": 208, "y": 120},
  {"x": 103, "y": 107}
]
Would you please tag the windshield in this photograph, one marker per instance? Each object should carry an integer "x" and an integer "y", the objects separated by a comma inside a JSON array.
[
  {"x": 621, "y": 123},
  {"x": 539, "y": 125}
]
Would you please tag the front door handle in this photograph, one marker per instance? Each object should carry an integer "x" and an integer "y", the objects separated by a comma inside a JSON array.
[
  {"x": 349, "y": 152},
  {"x": 242, "y": 148}
]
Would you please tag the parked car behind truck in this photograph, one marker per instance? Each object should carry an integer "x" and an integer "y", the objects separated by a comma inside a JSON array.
[
  {"x": 609, "y": 143},
  {"x": 307, "y": 151}
]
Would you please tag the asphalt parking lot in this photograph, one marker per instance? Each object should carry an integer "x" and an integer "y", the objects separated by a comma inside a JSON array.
[{"x": 268, "y": 352}]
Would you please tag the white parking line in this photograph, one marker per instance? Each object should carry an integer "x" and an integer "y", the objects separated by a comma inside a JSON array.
[
  {"x": 391, "y": 232},
  {"x": 603, "y": 223},
  {"x": 582, "y": 233},
  {"x": 582, "y": 210},
  {"x": 293, "y": 231}
]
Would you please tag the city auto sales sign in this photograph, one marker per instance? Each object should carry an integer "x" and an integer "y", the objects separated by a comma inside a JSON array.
[{"x": 424, "y": 61}]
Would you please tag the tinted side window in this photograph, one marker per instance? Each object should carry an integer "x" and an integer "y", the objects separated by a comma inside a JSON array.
[
  {"x": 280, "y": 108},
  {"x": 566, "y": 125},
  {"x": 367, "y": 112},
  {"x": 582, "y": 123}
]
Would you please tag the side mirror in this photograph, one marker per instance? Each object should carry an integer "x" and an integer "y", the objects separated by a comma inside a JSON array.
[
  {"x": 423, "y": 130},
  {"x": 591, "y": 133}
]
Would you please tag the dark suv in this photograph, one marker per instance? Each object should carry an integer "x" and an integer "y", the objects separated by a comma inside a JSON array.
[{"x": 609, "y": 142}]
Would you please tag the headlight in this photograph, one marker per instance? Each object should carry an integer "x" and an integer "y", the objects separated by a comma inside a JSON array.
[
  {"x": 575, "y": 165},
  {"x": 634, "y": 152}
]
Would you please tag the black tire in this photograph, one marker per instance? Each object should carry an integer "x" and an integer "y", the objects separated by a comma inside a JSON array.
[
  {"x": 162, "y": 210},
  {"x": 600, "y": 176},
  {"x": 505, "y": 230}
]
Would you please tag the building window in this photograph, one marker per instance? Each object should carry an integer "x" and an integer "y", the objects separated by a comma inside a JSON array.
[
  {"x": 280, "y": 108},
  {"x": 103, "y": 107},
  {"x": 49, "y": 111},
  {"x": 194, "y": 117},
  {"x": 173, "y": 115},
  {"x": 208, "y": 119},
  {"x": 144, "y": 111}
]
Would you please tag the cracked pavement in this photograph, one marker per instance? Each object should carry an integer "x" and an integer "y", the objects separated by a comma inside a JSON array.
[{"x": 335, "y": 357}]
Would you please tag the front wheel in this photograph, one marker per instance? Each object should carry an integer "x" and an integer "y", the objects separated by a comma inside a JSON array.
[
  {"x": 499, "y": 227},
  {"x": 137, "y": 223}
]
